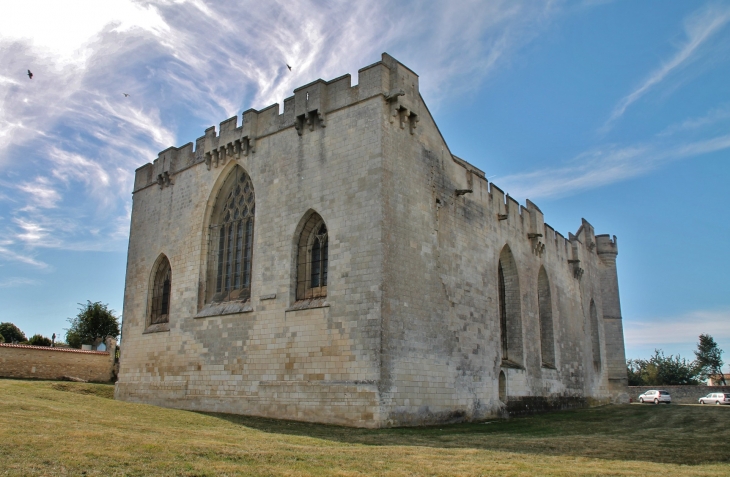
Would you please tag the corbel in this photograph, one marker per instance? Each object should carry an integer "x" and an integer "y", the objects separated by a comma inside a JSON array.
[
  {"x": 208, "y": 160},
  {"x": 577, "y": 271},
  {"x": 164, "y": 179},
  {"x": 463, "y": 191}
]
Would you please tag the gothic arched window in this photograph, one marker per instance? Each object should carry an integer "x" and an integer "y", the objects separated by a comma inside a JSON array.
[
  {"x": 595, "y": 337},
  {"x": 160, "y": 309},
  {"x": 312, "y": 259},
  {"x": 510, "y": 314},
  {"x": 545, "y": 310},
  {"x": 231, "y": 240}
]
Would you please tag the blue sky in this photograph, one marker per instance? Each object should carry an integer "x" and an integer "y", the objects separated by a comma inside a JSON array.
[{"x": 616, "y": 111}]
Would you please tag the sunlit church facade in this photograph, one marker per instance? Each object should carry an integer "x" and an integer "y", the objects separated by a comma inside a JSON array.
[{"x": 336, "y": 263}]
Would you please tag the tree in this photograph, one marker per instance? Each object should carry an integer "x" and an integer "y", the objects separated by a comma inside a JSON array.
[
  {"x": 2, "y": 338},
  {"x": 709, "y": 358},
  {"x": 39, "y": 340},
  {"x": 661, "y": 370},
  {"x": 94, "y": 321},
  {"x": 11, "y": 333},
  {"x": 634, "y": 369}
]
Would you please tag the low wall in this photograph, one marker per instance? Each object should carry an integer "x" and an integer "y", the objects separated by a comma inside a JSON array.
[
  {"x": 22, "y": 361},
  {"x": 680, "y": 394}
]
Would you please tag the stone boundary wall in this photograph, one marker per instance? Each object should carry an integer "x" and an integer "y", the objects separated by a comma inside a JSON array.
[
  {"x": 680, "y": 394},
  {"x": 22, "y": 361}
]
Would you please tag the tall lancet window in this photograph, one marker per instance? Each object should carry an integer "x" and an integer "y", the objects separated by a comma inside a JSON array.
[
  {"x": 160, "y": 310},
  {"x": 312, "y": 259},
  {"x": 231, "y": 240},
  {"x": 510, "y": 315}
]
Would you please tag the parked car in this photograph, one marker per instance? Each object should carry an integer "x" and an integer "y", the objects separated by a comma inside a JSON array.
[
  {"x": 716, "y": 398},
  {"x": 655, "y": 396}
]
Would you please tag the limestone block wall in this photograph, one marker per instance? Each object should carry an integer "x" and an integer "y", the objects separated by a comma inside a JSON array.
[
  {"x": 409, "y": 332},
  {"x": 276, "y": 357},
  {"x": 445, "y": 229},
  {"x": 40, "y": 362}
]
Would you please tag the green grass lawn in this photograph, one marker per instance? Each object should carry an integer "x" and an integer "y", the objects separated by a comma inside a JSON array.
[{"x": 53, "y": 428}]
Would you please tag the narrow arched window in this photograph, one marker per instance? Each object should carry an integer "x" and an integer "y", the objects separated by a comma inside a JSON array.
[
  {"x": 502, "y": 387},
  {"x": 312, "y": 259},
  {"x": 545, "y": 310},
  {"x": 231, "y": 240},
  {"x": 160, "y": 310},
  {"x": 510, "y": 314},
  {"x": 595, "y": 337}
]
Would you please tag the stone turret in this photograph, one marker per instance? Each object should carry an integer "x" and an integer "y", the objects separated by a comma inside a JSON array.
[{"x": 607, "y": 249}]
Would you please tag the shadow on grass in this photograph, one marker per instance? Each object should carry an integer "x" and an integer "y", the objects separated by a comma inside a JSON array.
[{"x": 661, "y": 434}]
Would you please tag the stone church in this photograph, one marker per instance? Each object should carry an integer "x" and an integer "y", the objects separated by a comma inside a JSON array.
[{"x": 336, "y": 263}]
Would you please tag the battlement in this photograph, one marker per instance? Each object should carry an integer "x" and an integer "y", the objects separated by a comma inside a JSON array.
[
  {"x": 306, "y": 110},
  {"x": 606, "y": 244}
]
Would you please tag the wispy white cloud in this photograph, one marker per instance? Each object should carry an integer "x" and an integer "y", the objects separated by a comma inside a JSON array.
[
  {"x": 662, "y": 332},
  {"x": 699, "y": 28},
  {"x": 40, "y": 193},
  {"x": 191, "y": 63},
  {"x": 714, "y": 116},
  {"x": 12, "y": 282},
  {"x": 28, "y": 259},
  {"x": 605, "y": 165}
]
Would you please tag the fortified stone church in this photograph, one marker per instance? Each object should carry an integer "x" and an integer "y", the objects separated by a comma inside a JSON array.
[{"x": 336, "y": 263}]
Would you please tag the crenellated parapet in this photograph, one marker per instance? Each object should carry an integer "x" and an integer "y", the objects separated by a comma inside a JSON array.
[
  {"x": 304, "y": 112},
  {"x": 606, "y": 246}
]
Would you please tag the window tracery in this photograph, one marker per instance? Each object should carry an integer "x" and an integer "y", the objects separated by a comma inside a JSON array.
[
  {"x": 231, "y": 240},
  {"x": 313, "y": 259}
]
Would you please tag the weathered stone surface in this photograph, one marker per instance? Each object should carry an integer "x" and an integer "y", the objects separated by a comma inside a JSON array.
[
  {"x": 409, "y": 332},
  {"x": 21, "y": 361}
]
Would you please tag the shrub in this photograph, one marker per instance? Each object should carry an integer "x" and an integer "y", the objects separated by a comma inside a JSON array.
[{"x": 39, "y": 340}]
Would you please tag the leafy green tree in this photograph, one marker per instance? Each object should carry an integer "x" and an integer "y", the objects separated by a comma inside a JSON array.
[
  {"x": 634, "y": 369},
  {"x": 2, "y": 339},
  {"x": 661, "y": 370},
  {"x": 95, "y": 320},
  {"x": 709, "y": 358},
  {"x": 12, "y": 333},
  {"x": 673, "y": 370},
  {"x": 39, "y": 340}
]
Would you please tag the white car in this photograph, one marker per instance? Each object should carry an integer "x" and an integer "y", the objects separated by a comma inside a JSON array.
[
  {"x": 716, "y": 398},
  {"x": 656, "y": 397}
]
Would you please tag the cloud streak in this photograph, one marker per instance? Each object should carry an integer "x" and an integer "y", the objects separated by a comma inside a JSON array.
[
  {"x": 73, "y": 140},
  {"x": 698, "y": 28},
  {"x": 606, "y": 165},
  {"x": 662, "y": 332}
]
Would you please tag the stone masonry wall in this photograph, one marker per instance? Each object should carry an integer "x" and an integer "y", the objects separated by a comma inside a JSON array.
[
  {"x": 20, "y": 361},
  {"x": 680, "y": 394},
  {"x": 444, "y": 231},
  {"x": 277, "y": 358},
  {"x": 409, "y": 333}
]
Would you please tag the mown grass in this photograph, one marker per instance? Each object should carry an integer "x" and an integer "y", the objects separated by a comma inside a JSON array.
[{"x": 49, "y": 428}]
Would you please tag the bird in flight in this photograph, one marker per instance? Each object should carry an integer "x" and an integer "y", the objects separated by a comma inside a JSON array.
[
  {"x": 287, "y": 65},
  {"x": 126, "y": 95},
  {"x": 30, "y": 75}
]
